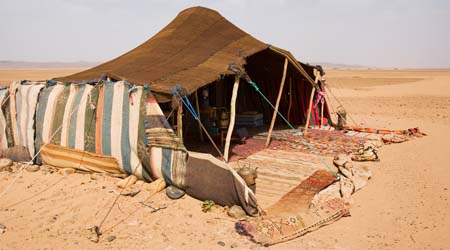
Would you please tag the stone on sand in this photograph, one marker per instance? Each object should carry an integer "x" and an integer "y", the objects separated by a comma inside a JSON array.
[
  {"x": 5, "y": 164},
  {"x": 155, "y": 186},
  {"x": 48, "y": 169},
  {"x": 130, "y": 180},
  {"x": 236, "y": 212},
  {"x": 67, "y": 171},
  {"x": 33, "y": 168},
  {"x": 110, "y": 238}
]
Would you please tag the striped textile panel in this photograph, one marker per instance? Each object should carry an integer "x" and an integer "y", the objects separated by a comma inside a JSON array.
[
  {"x": 57, "y": 103},
  {"x": 3, "y": 138},
  {"x": 158, "y": 131},
  {"x": 6, "y": 110},
  {"x": 65, "y": 157},
  {"x": 68, "y": 108},
  {"x": 169, "y": 164},
  {"x": 26, "y": 101},
  {"x": 90, "y": 119},
  {"x": 107, "y": 120},
  {"x": 13, "y": 111},
  {"x": 49, "y": 113},
  {"x": 167, "y": 154},
  {"x": 134, "y": 120},
  {"x": 118, "y": 143},
  {"x": 117, "y": 123},
  {"x": 40, "y": 118},
  {"x": 143, "y": 150}
]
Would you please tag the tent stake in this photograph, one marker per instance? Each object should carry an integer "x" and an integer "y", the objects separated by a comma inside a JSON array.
[
  {"x": 274, "y": 116},
  {"x": 198, "y": 114},
  {"x": 232, "y": 116}
]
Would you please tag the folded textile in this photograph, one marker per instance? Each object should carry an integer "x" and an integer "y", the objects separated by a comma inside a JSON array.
[
  {"x": 64, "y": 157},
  {"x": 207, "y": 178}
]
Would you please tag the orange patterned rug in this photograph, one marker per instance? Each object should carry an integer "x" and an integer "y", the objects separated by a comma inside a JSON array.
[{"x": 294, "y": 215}]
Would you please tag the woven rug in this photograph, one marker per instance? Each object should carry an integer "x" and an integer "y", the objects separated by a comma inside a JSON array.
[
  {"x": 300, "y": 197},
  {"x": 293, "y": 215},
  {"x": 279, "y": 172},
  {"x": 325, "y": 142}
]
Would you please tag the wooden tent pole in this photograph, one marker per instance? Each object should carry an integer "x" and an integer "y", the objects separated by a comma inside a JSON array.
[
  {"x": 198, "y": 114},
  {"x": 232, "y": 116},
  {"x": 275, "y": 112},
  {"x": 180, "y": 120},
  {"x": 313, "y": 91}
]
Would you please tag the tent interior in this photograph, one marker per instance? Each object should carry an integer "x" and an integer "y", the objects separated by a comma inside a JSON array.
[{"x": 253, "y": 113}]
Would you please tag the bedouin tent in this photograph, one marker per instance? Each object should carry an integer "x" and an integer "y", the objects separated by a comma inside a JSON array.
[{"x": 197, "y": 49}]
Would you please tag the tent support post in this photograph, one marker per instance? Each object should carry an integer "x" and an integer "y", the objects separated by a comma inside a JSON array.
[
  {"x": 313, "y": 91},
  {"x": 180, "y": 120},
  {"x": 198, "y": 113},
  {"x": 275, "y": 112},
  {"x": 232, "y": 116}
]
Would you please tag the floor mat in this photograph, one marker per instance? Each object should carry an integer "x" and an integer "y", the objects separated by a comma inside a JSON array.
[{"x": 293, "y": 215}]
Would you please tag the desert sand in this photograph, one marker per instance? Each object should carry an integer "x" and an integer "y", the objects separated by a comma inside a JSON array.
[
  {"x": 7, "y": 75},
  {"x": 406, "y": 204}
]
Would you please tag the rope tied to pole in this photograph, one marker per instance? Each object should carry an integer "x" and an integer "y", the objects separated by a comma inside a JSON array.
[{"x": 182, "y": 94}]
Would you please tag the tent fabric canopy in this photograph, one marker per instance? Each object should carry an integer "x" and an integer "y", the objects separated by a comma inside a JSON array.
[{"x": 193, "y": 50}]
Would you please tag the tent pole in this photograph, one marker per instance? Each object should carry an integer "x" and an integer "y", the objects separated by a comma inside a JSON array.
[
  {"x": 180, "y": 120},
  {"x": 198, "y": 114},
  {"x": 313, "y": 91},
  {"x": 232, "y": 116},
  {"x": 274, "y": 116}
]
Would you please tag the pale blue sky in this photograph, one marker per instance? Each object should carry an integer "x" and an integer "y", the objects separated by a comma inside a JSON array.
[{"x": 391, "y": 33}]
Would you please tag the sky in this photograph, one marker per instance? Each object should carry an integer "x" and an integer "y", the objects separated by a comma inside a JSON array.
[{"x": 373, "y": 33}]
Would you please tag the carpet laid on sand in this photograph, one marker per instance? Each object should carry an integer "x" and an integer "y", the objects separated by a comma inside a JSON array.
[
  {"x": 292, "y": 215},
  {"x": 320, "y": 199}
]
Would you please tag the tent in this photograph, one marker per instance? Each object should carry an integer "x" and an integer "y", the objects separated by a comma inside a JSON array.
[
  {"x": 196, "y": 50},
  {"x": 117, "y": 126}
]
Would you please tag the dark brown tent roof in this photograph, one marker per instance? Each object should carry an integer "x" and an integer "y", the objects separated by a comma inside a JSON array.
[{"x": 193, "y": 50}]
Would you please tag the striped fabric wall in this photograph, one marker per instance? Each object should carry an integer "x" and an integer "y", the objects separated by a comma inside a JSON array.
[
  {"x": 26, "y": 97},
  {"x": 107, "y": 119},
  {"x": 92, "y": 119},
  {"x": 3, "y": 99},
  {"x": 17, "y": 112}
]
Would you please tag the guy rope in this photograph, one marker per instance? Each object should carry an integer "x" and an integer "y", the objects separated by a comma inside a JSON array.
[{"x": 181, "y": 93}]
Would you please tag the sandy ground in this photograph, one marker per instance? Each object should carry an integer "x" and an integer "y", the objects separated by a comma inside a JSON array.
[
  {"x": 8, "y": 75},
  {"x": 406, "y": 205}
]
